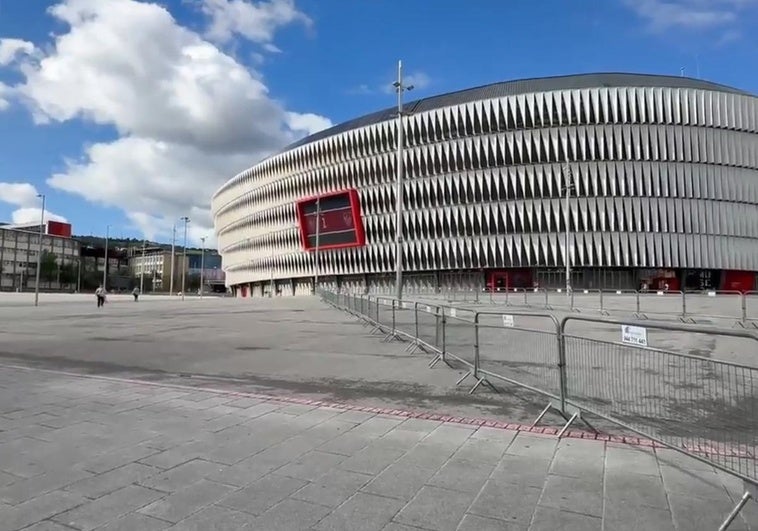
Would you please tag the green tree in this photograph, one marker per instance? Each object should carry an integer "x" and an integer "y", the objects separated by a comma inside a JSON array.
[
  {"x": 48, "y": 267},
  {"x": 68, "y": 274}
]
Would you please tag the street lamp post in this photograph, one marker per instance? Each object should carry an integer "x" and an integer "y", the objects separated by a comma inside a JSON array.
[
  {"x": 105, "y": 264},
  {"x": 271, "y": 289},
  {"x": 173, "y": 252},
  {"x": 186, "y": 220},
  {"x": 202, "y": 264},
  {"x": 39, "y": 251},
  {"x": 399, "y": 88},
  {"x": 569, "y": 184},
  {"x": 142, "y": 269}
]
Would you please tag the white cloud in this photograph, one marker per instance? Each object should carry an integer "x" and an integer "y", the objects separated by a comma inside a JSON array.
[
  {"x": 32, "y": 215},
  {"x": 189, "y": 116},
  {"x": 662, "y": 15},
  {"x": 308, "y": 123},
  {"x": 25, "y": 196},
  {"x": 11, "y": 49},
  {"x": 255, "y": 21}
]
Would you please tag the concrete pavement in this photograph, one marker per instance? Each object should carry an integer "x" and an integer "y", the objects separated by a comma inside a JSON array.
[{"x": 87, "y": 452}]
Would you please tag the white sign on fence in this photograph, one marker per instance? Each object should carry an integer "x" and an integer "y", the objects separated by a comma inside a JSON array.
[
  {"x": 711, "y": 293},
  {"x": 428, "y": 309},
  {"x": 508, "y": 321},
  {"x": 634, "y": 335},
  {"x": 453, "y": 313}
]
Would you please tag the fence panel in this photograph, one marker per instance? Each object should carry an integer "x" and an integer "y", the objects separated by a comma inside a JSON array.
[
  {"x": 429, "y": 322},
  {"x": 521, "y": 348},
  {"x": 460, "y": 334},
  {"x": 621, "y": 301},
  {"x": 714, "y": 304},
  {"x": 658, "y": 303},
  {"x": 751, "y": 306},
  {"x": 681, "y": 397},
  {"x": 587, "y": 300}
]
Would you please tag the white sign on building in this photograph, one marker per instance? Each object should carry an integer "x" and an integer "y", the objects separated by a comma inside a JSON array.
[{"x": 634, "y": 335}]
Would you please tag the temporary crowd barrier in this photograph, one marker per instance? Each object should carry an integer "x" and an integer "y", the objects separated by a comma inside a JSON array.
[{"x": 621, "y": 371}]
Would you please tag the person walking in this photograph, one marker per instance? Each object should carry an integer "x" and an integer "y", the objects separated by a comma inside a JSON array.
[
  {"x": 135, "y": 292},
  {"x": 100, "y": 294}
]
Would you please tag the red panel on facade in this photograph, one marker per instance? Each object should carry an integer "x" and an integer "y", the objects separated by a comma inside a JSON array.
[
  {"x": 333, "y": 219},
  {"x": 738, "y": 281},
  {"x": 56, "y": 228}
]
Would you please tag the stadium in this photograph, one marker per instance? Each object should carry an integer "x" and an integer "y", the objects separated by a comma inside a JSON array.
[{"x": 662, "y": 178}]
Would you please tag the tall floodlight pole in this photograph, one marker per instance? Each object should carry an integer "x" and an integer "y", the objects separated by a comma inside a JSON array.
[
  {"x": 105, "y": 264},
  {"x": 173, "y": 252},
  {"x": 318, "y": 244},
  {"x": 39, "y": 251},
  {"x": 185, "y": 219},
  {"x": 202, "y": 264},
  {"x": 399, "y": 88},
  {"x": 142, "y": 269},
  {"x": 569, "y": 184}
]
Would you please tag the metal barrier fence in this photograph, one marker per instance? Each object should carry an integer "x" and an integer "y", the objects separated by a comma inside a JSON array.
[{"x": 703, "y": 407}]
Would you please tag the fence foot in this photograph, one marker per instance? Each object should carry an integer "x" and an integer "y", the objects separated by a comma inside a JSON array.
[
  {"x": 392, "y": 336},
  {"x": 640, "y": 316},
  {"x": 460, "y": 380},
  {"x": 439, "y": 357},
  {"x": 605, "y": 312},
  {"x": 736, "y": 511},
  {"x": 687, "y": 320},
  {"x": 542, "y": 414}
]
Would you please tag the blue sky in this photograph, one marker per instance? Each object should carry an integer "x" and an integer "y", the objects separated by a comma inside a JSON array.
[{"x": 131, "y": 114}]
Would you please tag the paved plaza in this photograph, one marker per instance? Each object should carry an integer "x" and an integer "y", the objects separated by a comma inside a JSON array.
[{"x": 89, "y": 453}]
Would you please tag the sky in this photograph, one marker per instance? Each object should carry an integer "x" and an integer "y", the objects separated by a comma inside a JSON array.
[{"x": 129, "y": 114}]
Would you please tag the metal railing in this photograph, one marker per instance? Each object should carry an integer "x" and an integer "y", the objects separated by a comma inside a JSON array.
[{"x": 624, "y": 372}]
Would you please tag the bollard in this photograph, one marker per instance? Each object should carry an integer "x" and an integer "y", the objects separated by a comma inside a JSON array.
[
  {"x": 547, "y": 302},
  {"x": 637, "y": 296},
  {"x": 444, "y": 345},
  {"x": 562, "y": 370},
  {"x": 684, "y": 305},
  {"x": 415, "y": 319}
]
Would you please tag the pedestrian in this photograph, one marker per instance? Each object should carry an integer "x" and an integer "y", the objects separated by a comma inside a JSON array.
[
  {"x": 135, "y": 292},
  {"x": 100, "y": 294}
]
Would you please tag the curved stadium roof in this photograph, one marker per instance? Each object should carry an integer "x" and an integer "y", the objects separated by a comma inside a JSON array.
[{"x": 521, "y": 86}]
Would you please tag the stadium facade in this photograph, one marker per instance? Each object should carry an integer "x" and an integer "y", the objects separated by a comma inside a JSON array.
[{"x": 664, "y": 173}]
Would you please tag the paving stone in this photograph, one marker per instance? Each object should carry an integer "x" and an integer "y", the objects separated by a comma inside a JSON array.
[
  {"x": 549, "y": 519},
  {"x": 579, "y": 495},
  {"x": 427, "y": 455},
  {"x": 635, "y": 489},
  {"x": 119, "y": 458},
  {"x": 629, "y": 458},
  {"x": 26, "y": 489},
  {"x": 400, "y": 438},
  {"x": 533, "y": 446},
  {"x": 501, "y": 501},
  {"x": 463, "y": 476},
  {"x": 174, "y": 456},
  {"x": 482, "y": 450},
  {"x": 47, "y": 525},
  {"x": 332, "y": 488},
  {"x": 311, "y": 466},
  {"x": 107, "y": 482},
  {"x": 393, "y": 526},
  {"x": 186, "y": 501},
  {"x": 420, "y": 425},
  {"x": 347, "y": 444},
  {"x": 328, "y": 430},
  {"x": 244, "y": 472},
  {"x": 215, "y": 518},
  {"x": 109, "y": 507},
  {"x": 355, "y": 416},
  {"x": 38, "y": 509},
  {"x": 672, "y": 458},
  {"x": 399, "y": 481},
  {"x": 288, "y": 450},
  {"x": 578, "y": 458},
  {"x": 435, "y": 508},
  {"x": 135, "y": 522},
  {"x": 373, "y": 513},
  {"x": 262, "y": 494},
  {"x": 450, "y": 434},
  {"x": 182, "y": 475},
  {"x": 471, "y": 522},
  {"x": 693, "y": 515},
  {"x": 620, "y": 515},
  {"x": 376, "y": 426},
  {"x": 694, "y": 483},
  {"x": 291, "y": 514},
  {"x": 243, "y": 403},
  {"x": 372, "y": 459},
  {"x": 519, "y": 470}
]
